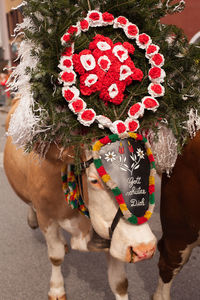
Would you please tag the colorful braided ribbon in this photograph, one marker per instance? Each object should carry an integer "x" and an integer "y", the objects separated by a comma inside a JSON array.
[{"x": 71, "y": 190}]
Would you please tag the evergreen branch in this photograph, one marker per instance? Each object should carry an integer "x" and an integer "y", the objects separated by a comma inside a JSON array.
[
  {"x": 89, "y": 5},
  {"x": 130, "y": 99},
  {"x": 122, "y": 4}
]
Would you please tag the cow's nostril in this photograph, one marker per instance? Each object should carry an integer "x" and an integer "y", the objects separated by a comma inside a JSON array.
[{"x": 133, "y": 254}]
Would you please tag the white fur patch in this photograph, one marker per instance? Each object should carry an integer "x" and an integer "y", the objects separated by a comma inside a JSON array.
[
  {"x": 116, "y": 274},
  {"x": 78, "y": 240},
  {"x": 56, "y": 251},
  {"x": 163, "y": 290},
  {"x": 126, "y": 235},
  {"x": 57, "y": 282},
  {"x": 54, "y": 243},
  {"x": 118, "y": 297}
]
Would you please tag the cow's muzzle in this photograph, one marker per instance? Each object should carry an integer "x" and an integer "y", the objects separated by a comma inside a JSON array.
[{"x": 140, "y": 252}]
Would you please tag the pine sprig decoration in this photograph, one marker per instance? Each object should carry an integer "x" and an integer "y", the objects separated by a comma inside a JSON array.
[{"x": 51, "y": 18}]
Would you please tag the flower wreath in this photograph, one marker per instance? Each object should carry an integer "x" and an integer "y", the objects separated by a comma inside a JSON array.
[
  {"x": 112, "y": 185},
  {"x": 108, "y": 68}
]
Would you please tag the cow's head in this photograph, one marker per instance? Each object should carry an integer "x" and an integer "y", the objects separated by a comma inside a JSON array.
[{"x": 129, "y": 242}]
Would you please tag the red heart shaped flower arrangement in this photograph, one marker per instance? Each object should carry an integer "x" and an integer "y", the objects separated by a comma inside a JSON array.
[{"x": 106, "y": 68}]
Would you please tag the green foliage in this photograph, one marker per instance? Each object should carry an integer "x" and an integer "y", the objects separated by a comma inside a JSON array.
[{"x": 51, "y": 18}]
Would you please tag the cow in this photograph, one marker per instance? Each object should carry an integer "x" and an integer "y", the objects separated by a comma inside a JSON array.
[
  {"x": 179, "y": 214},
  {"x": 38, "y": 183}
]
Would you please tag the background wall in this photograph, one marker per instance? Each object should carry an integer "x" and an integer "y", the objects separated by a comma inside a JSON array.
[
  {"x": 11, "y": 3},
  {"x": 188, "y": 19}
]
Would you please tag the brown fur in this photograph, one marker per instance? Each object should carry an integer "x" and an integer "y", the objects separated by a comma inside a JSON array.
[
  {"x": 55, "y": 261},
  {"x": 39, "y": 181},
  {"x": 180, "y": 208},
  {"x": 122, "y": 287}
]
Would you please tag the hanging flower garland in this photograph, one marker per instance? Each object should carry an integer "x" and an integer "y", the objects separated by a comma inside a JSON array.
[
  {"x": 112, "y": 185},
  {"x": 107, "y": 68}
]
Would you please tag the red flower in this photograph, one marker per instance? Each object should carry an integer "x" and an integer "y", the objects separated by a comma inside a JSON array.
[
  {"x": 150, "y": 103},
  {"x": 132, "y": 30},
  {"x": 113, "y": 75},
  {"x": 143, "y": 38},
  {"x": 84, "y": 24},
  {"x": 155, "y": 72},
  {"x": 68, "y": 77},
  {"x": 129, "y": 47},
  {"x": 104, "y": 95},
  {"x": 66, "y": 38},
  {"x": 122, "y": 20},
  {"x": 121, "y": 127},
  {"x": 87, "y": 115},
  {"x": 69, "y": 95},
  {"x": 100, "y": 38},
  {"x": 88, "y": 90},
  {"x": 107, "y": 17},
  {"x": 134, "y": 109},
  {"x": 137, "y": 74},
  {"x": 157, "y": 58},
  {"x": 94, "y": 16},
  {"x": 133, "y": 125},
  {"x": 151, "y": 49},
  {"x": 72, "y": 30},
  {"x": 77, "y": 105},
  {"x": 67, "y": 63},
  {"x": 156, "y": 88},
  {"x": 78, "y": 65},
  {"x": 68, "y": 51}
]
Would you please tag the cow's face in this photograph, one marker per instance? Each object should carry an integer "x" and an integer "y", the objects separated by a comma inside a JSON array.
[{"x": 130, "y": 243}]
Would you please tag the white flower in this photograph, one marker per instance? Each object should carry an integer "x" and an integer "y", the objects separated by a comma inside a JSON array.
[
  {"x": 113, "y": 90},
  {"x": 120, "y": 52},
  {"x": 104, "y": 59},
  {"x": 140, "y": 153},
  {"x": 88, "y": 62},
  {"x": 125, "y": 71},
  {"x": 110, "y": 156},
  {"x": 103, "y": 46},
  {"x": 91, "y": 79}
]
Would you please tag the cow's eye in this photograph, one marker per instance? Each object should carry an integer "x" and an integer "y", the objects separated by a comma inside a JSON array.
[{"x": 94, "y": 181}]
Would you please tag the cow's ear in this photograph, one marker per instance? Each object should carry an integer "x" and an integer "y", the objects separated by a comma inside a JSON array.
[{"x": 58, "y": 154}]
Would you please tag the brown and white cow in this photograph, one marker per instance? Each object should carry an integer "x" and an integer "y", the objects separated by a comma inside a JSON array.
[
  {"x": 180, "y": 217},
  {"x": 39, "y": 184}
]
